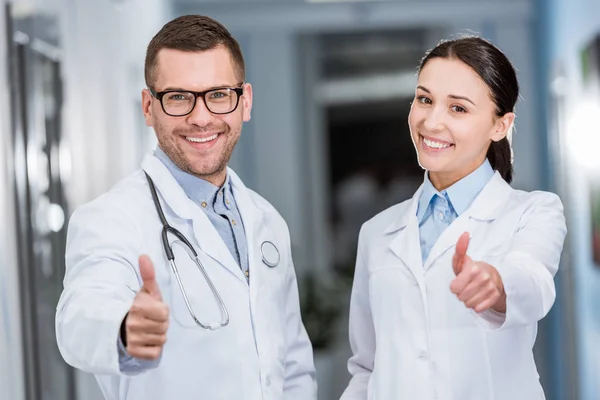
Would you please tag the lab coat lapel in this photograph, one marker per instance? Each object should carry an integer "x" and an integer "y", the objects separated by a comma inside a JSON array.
[
  {"x": 406, "y": 245},
  {"x": 254, "y": 220},
  {"x": 486, "y": 207},
  {"x": 449, "y": 237},
  {"x": 175, "y": 201}
]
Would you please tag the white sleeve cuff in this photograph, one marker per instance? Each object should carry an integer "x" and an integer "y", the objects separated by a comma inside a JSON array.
[{"x": 489, "y": 319}]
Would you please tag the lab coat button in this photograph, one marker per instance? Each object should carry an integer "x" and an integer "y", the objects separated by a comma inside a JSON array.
[
  {"x": 422, "y": 355},
  {"x": 268, "y": 381}
]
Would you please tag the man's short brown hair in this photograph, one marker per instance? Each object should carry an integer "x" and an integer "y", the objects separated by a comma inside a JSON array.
[{"x": 192, "y": 33}]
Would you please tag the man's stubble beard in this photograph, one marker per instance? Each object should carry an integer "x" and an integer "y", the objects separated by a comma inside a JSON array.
[{"x": 167, "y": 143}]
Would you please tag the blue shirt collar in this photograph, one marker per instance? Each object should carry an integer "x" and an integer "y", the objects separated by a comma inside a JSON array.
[
  {"x": 461, "y": 194},
  {"x": 427, "y": 194},
  {"x": 197, "y": 189}
]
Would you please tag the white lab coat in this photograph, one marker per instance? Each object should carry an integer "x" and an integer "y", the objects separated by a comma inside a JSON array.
[
  {"x": 412, "y": 339},
  {"x": 263, "y": 354}
]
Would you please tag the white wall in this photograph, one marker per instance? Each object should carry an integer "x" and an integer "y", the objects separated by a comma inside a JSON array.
[
  {"x": 105, "y": 44},
  {"x": 575, "y": 22}
]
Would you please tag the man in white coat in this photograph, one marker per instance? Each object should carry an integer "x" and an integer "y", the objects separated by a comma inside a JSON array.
[{"x": 224, "y": 325}]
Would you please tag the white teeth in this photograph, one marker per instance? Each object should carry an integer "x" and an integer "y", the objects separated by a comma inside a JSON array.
[
  {"x": 202, "y": 140},
  {"x": 435, "y": 145}
]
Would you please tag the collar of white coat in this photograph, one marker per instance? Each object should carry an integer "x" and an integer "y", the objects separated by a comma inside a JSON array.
[
  {"x": 173, "y": 193},
  {"x": 485, "y": 207}
]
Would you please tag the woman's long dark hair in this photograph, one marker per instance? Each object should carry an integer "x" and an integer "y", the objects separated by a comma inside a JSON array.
[{"x": 500, "y": 77}]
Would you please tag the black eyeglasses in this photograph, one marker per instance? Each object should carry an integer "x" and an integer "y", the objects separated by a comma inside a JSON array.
[{"x": 177, "y": 103}]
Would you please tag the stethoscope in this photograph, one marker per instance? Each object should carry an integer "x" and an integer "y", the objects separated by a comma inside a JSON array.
[{"x": 270, "y": 256}]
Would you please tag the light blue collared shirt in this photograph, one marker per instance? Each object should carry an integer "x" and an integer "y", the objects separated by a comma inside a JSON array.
[
  {"x": 218, "y": 203},
  {"x": 437, "y": 210}
]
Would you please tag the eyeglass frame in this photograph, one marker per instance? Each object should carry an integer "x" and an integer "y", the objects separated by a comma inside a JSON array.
[{"x": 159, "y": 96}]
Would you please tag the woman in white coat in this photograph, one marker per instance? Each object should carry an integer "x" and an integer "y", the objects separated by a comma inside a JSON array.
[{"x": 450, "y": 285}]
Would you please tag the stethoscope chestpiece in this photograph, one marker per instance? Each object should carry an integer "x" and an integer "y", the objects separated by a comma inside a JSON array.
[{"x": 270, "y": 254}]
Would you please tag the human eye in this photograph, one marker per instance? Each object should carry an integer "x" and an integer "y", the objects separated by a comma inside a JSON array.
[
  {"x": 177, "y": 96},
  {"x": 423, "y": 100},
  {"x": 458, "y": 109},
  {"x": 220, "y": 94}
]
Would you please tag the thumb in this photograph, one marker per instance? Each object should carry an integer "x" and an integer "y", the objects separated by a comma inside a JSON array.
[
  {"x": 148, "y": 277},
  {"x": 460, "y": 253}
]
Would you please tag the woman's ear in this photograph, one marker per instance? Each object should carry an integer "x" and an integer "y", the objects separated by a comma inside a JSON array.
[{"x": 504, "y": 125}]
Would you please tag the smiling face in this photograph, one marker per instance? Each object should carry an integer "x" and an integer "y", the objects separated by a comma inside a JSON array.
[
  {"x": 453, "y": 121},
  {"x": 200, "y": 143}
]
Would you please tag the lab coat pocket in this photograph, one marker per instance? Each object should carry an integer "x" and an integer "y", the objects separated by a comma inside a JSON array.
[{"x": 199, "y": 296}]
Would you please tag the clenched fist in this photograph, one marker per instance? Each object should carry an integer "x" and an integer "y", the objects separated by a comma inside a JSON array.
[{"x": 146, "y": 324}]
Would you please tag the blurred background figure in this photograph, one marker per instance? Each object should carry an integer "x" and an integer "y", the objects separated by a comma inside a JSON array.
[{"x": 333, "y": 81}]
